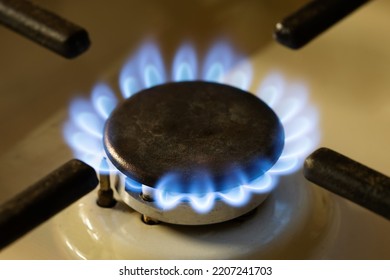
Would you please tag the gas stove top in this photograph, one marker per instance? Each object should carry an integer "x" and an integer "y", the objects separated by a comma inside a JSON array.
[{"x": 344, "y": 72}]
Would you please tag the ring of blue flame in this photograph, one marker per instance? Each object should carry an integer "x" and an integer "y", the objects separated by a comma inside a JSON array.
[{"x": 83, "y": 131}]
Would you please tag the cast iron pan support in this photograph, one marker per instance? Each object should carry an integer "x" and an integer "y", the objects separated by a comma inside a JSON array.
[
  {"x": 44, "y": 199},
  {"x": 349, "y": 179},
  {"x": 44, "y": 27},
  {"x": 301, "y": 27}
]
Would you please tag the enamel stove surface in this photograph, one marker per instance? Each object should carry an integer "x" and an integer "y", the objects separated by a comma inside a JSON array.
[
  {"x": 294, "y": 222},
  {"x": 340, "y": 68}
]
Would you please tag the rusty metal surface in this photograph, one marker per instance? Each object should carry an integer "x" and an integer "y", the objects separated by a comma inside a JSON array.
[
  {"x": 190, "y": 128},
  {"x": 105, "y": 197},
  {"x": 301, "y": 27},
  {"x": 349, "y": 179},
  {"x": 44, "y": 199},
  {"x": 44, "y": 27}
]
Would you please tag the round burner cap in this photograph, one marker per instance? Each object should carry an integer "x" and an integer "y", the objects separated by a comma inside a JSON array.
[{"x": 191, "y": 129}]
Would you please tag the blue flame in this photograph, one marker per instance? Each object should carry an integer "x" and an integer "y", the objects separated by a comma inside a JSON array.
[
  {"x": 185, "y": 65},
  {"x": 218, "y": 62},
  {"x": 143, "y": 70},
  {"x": 133, "y": 186},
  {"x": 203, "y": 201},
  {"x": 103, "y": 100},
  {"x": 223, "y": 65},
  {"x": 84, "y": 129}
]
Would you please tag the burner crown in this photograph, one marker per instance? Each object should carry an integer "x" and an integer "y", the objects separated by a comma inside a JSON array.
[{"x": 191, "y": 129}]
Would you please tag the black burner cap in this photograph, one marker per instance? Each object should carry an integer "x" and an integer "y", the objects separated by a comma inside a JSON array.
[{"x": 188, "y": 128}]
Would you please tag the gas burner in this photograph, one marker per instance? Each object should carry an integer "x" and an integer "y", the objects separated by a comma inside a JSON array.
[
  {"x": 197, "y": 134},
  {"x": 198, "y": 149}
]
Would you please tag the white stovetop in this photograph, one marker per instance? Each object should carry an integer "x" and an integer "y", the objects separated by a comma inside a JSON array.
[{"x": 346, "y": 70}]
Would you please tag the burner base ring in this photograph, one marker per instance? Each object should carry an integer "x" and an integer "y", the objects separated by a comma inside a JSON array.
[{"x": 183, "y": 213}]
